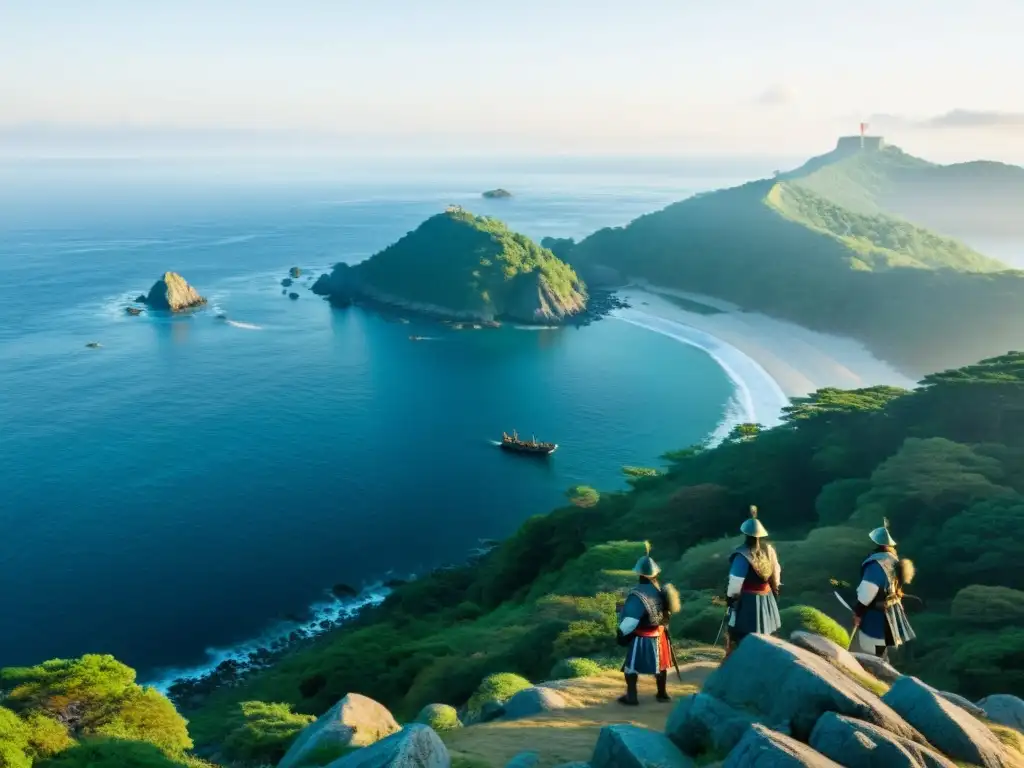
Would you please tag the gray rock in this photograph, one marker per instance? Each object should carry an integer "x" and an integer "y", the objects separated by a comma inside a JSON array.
[
  {"x": 1004, "y": 709},
  {"x": 786, "y": 684},
  {"x": 172, "y": 292},
  {"x": 700, "y": 723},
  {"x": 856, "y": 744},
  {"x": 764, "y": 748},
  {"x": 415, "y": 746},
  {"x": 955, "y": 698},
  {"x": 491, "y": 710},
  {"x": 533, "y": 701},
  {"x": 822, "y": 646},
  {"x": 630, "y": 746},
  {"x": 524, "y": 760},
  {"x": 957, "y": 734},
  {"x": 355, "y": 721},
  {"x": 880, "y": 668}
]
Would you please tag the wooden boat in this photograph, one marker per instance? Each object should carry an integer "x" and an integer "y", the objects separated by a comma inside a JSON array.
[{"x": 532, "y": 446}]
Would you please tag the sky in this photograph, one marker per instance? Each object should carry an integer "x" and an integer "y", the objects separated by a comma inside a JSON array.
[{"x": 938, "y": 77}]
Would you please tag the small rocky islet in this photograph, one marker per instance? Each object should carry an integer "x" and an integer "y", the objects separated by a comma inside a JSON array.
[{"x": 170, "y": 293}]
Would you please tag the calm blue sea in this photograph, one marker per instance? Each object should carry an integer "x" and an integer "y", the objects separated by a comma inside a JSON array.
[{"x": 192, "y": 482}]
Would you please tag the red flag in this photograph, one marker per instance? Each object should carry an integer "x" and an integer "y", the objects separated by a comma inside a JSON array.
[{"x": 863, "y": 127}]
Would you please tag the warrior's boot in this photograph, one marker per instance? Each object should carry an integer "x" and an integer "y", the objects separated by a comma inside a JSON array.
[
  {"x": 662, "y": 680},
  {"x": 630, "y": 699}
]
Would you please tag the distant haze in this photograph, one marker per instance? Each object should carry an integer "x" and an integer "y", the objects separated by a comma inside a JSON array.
[{"x": 114, "y": 77}]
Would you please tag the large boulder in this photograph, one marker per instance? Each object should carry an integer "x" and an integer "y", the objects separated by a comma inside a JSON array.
[
  {"x": 524, "y": 760},
  {"x": 415, "y": 746},
  {"x": 700, "y": 723},
  {"x": 1004, "y": 709},
  {"x": 950, "y": 728},
  {"x": 828, "y": 650},
  {"x": 880, "y": 668},
  {"x": 533, "y": 701},
  {"x": 790, "y": 686},
  {"x": 857, "y": 744},
  {"x": 761, "y": 747},
  {"x": 630, "y": 746},
  {"x": 171, "y": 292},
  {"x": 355, "y": 721},
  {"x": 966, "y": 704}
]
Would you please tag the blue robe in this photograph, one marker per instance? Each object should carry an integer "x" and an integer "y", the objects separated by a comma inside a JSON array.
[
  {"x": 645, "y": 655},
  {"x": 751, "y": 613},
  {"x": 881, "y": 626}
]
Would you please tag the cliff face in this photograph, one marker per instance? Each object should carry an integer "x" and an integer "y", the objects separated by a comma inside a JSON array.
[{"x": 173, "y": 293}]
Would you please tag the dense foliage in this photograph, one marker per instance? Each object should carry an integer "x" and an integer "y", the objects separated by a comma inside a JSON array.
[
  {"x": 473, "y": 264},
  {"x": 824, "y": 247}
]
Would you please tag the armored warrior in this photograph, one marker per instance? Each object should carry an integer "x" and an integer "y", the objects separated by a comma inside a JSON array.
[
  {"x": 879, "y": 621},
  {"x": 643, "y": 629},
  {"x": 754, "y": 581}
]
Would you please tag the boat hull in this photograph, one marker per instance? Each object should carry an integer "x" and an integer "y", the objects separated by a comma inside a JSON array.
[{"x": 544, "y": 450}]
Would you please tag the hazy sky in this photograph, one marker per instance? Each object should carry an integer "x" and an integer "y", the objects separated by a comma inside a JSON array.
[{"x": 942, "y": 77}]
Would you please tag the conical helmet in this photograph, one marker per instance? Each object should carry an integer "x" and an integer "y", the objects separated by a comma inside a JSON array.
[
  {"x": 752, "y": 526},
  {"x": 646, "y": 566},
  {"x": 881, "y": 536}
]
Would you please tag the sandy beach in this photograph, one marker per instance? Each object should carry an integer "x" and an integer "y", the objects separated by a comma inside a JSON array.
[{"x": 770, "y": 360}]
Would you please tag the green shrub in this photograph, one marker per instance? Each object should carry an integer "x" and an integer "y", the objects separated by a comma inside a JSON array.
[
  {"x": 13, "y": 741},
  {"x": 262, "y": 732},
  {"x": 440, "y": 717},
  {"x": 324, "y": 754},
  {"x": 989, "y": 606},
  {"x": 113, "y": 753},
  {"x": 574, "y": 667},
  {"x": 812, "y": 620},
  {"x": 496, "y": 689},
  {"x": 46, "y": 737}
]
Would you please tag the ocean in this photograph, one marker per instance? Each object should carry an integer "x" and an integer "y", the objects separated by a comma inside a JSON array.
[{"x": 194, "y": 487}]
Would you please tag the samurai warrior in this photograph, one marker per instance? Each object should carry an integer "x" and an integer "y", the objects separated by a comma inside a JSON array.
[
  {"x": 754, "y": 580},
  {"x": 879, "y": 620},
  {"x": 643, "y": 629}
]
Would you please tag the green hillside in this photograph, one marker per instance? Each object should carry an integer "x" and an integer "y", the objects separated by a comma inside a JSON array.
[
  {"x": 945, "y": 463},
  {"x": 462, "y": 263},
  {"x": 820, "y": 246}
]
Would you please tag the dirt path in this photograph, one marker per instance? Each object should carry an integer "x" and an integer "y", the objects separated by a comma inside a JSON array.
[{"x": 569, "y": 735}]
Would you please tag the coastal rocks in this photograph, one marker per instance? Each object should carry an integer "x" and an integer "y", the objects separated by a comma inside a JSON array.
[
  {"x": 343, "y": 591},
  {"x": 856, "y": 744},
  {"x": 355, "y": 721},
  {"x": 822, "y": 646},
  {"x": 496, "y": 194},
  {"x": 700, "y": 723},
  {"x": 293, "y": 296},
  {"x": 133, "y": 311},
  {"x": 630, "y": 746},
  {"x": 294, "y": 272},
  {"x": 534, "y": 701},
  {"x": 786, "y": 684},
  {"x": 952, "y": 730},
  {"x": 1004, "y": 709},
  {"x": 532, "y": 300},
  {"x": 764, "y": 748},
  {"x": 287, "y": 282},
  {"x": 171, "y": 292},
  {"x": 877, "y": 667},
  {"x": 415, "y": 746},
  {"x": 93, "y": 345}
]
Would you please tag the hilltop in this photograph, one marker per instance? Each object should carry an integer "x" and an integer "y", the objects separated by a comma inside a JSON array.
[
  {"x": 831, "y": 246},
  {"x": 458, "y": 265}
]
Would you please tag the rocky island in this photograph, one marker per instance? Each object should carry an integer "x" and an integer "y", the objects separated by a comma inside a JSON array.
[
  {"x": 497, "y": 193},
  {"x": 172, "y": 293},
  {"x": 463, "y": 267}
]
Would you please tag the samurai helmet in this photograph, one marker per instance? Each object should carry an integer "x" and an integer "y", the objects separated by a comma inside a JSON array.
[
  {"x": 646, "y": 566},
  {"x": 752, "y": 526},
  {"x": 881, "y": 536}
]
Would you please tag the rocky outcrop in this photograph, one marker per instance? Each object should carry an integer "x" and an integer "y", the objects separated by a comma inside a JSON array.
[
  {"x": 700, "y": 723},
  {"x": 761, "y": 747},
  {"x": 951, "y": 729},
  {"x": 629, "y": 746},
  {"x": 960, "y": 701},
  {"x": 355, "y": 721},
  {"x": 415, "y": 746},
  {"x": 172, "y": 293},
  {"x": 792, "y": 686},
  {"x": 524, "y": 760},
  {"x": 294, "y": 272},
  {"x": 497, "y": 193},
  {"x": 877, "y": 667},
  {"x": 530, "y": 702},
  {"x": 822, "y": 646},
  {"x": 857, "y": 744},
  {"x": 533, "y": 301},
  {"x": 133, "y": 311},
  {"x": 1004, "y": 709}
]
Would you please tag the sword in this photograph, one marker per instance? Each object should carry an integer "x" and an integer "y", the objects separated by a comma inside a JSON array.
[
  {"x": 846, "y": 605},
  {"x": 672, "y": 653}
]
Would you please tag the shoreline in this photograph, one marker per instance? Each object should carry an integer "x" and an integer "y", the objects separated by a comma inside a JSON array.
[{"x": 799, "y": 361}]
